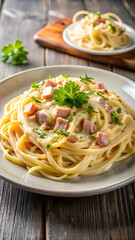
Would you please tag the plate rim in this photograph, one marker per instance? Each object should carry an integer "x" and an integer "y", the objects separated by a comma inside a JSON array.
[
  {"x": 98, "y": 52},
  {"x": 52, "y": 192}
]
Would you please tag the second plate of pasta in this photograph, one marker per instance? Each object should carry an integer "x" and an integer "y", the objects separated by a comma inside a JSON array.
[{"x": 98, "y": 34}]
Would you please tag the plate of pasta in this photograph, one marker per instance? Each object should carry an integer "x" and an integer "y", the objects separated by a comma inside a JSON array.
[
  {"x": 67, "y": 130},
  {"x": 99, "y": 34}
]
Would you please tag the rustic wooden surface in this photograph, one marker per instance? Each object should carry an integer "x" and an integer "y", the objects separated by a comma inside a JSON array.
[{"x": 25, "y": 215}]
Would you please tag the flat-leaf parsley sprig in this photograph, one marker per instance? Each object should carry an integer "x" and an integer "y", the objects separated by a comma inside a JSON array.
[
  {"x": 70, "y": 95},
  {"x": 14, "y": 53}
]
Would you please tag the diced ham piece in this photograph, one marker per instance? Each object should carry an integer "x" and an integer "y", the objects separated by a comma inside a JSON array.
[
  {"x": 102, "y": 139},
  {"x": 42, "y": 117},
  {"x": 104, "y": 103},
  {"x": 89, "y": 127},
  {"x": 63, "y": 112},
  {"x": 50, "y": 83},
  {"x": 99, "y": 85},
  {"x": 72, "y": 139},
  {"x": 61, "y": 124},
  {"x": 30, "y": 108},
  {"x": 47, "y": 92},
  {"x": 99, "y": 20}
]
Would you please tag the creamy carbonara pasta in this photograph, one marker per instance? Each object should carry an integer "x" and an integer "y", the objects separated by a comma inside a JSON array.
[
  {"x": 65, "y": 127},
  {"x": 99, "y": 32}
]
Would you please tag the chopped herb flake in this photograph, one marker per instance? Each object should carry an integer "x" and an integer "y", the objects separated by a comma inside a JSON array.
[
  {"x": 119, "y": 100},
  {"x": 90, "y": 92},
  {"x": 105, "y": 98},
  {"x": 48, "y": 145},
  {"x": 112, "y": 27},
  {"x": 94, "y": 24},
  {"x": 89, "y": 165},
  {"x": 37, "y": 85},
  {"x": 97, "y": 14},
  {"x": 62, "y": 132},
  {"x": 115, "y": 119},
  {"x": 122, "y": 130},
  {"x": 67, "y": 76},
  {"x": 91, "y": 136},
  {"x": 56, "y": 139},
  {"x": 89, "y": 110},
  {"x": 74, "y": 113},
  {"x": 39, "y": 132},
  {"x": 35, "y": 99},
  {"x": 85, "y": 79},
  {"x": 102, "y": 118},
  {"x": 70, "y": 118},
  {"x": 118, "y": 110}
]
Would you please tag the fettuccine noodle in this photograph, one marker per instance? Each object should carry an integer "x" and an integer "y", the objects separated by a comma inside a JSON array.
[
  {"x": 62, "y": 142},
  {"x": 99, "y": 32}
]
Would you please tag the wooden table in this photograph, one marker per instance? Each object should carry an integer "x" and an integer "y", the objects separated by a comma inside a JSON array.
[{"x": 25, "y": 215}]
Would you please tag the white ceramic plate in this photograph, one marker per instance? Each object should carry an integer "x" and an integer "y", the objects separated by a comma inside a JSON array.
[
  {"x": 128, "y": 30},
  {"x": 120, "y": 174}
]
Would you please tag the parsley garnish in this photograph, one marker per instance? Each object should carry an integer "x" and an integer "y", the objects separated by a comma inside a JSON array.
[
  {"x": 86, "y": 79},
  {"x": 97, "y": 14},
  {"x": 15, "y": 53},
  {"x": 56, "y": 139},
  {"x": 112, "y": 27},
  {"x": 39, "y": 132},
  {"x": 89, "y": 165},
  {"x": 95, "y": 123},
  {"x": 119, "y": 100},
  {"x": 70, "y": 118},
  {"x": 81, "y": 137},
  {"x": 91, "y": 136},
  {"x": 70, "y": 95},
  {"x": 49, "y": 77},
  {"x": 122, "y": 130},
  {"x": 105, "y": 98},
  {"x": 102, "y": 118},
  {"x": 89, "y": 109},
  {"x": 74, "y": 113},
  {"x": 90, "y": 92},
  {"x": 94, "y": 24},
  {"x": 118, "y": 110},
  {"x": 37, "y": 85},
  {"x": 48, "y": 145},
  {"x": 62, "y": 132},
  {"x": 35, "y": 99},
  {"x": 67, "y": 76},
  {"x": 115, "y": 119},
  {"x": 122, "y": 31}
]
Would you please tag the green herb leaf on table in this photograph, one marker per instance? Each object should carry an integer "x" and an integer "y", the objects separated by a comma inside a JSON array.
[
  {"x": 35, "y": 99},
  {"x": 70, "y": 95},
  {"x": 15, "y": 53},
  {"x": 85, "y": 79}
]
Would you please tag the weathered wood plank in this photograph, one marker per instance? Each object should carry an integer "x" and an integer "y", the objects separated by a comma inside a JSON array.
[
  {"x": 107, "y": 216},
  {"x": 21, "y": 212}
]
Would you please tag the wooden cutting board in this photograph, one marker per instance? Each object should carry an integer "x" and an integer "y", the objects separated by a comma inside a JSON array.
[{"x": 51, "y": 36}]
